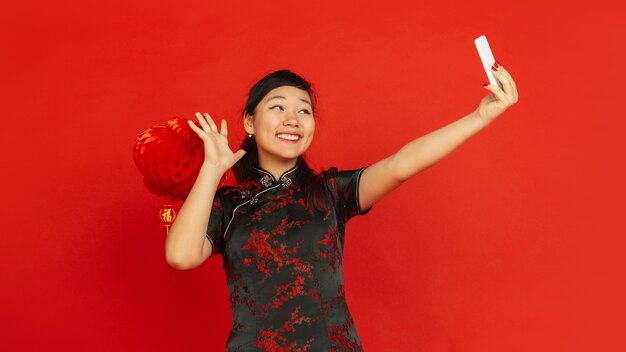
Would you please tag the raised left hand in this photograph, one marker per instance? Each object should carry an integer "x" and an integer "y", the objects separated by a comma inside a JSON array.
[{"x": 495, "y": 103}]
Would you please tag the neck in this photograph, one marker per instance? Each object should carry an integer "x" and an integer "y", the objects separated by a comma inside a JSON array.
[{"x": 275, "y": 166}]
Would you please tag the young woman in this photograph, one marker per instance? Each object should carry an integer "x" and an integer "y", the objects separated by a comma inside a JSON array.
[{"x": 280, "y": 230}]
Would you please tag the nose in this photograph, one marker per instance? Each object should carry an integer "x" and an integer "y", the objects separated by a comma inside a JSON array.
[{"x": 291, "y": 120}]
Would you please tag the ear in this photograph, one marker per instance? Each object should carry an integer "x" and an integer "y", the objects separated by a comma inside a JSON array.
[{"x": 248, "y": 123}]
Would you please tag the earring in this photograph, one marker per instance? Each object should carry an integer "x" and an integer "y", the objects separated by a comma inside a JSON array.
[{"x": 249, "y": 136}]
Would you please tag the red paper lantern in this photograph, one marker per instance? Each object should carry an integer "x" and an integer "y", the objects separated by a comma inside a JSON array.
[
  {"x": 169, "y": 156},
  {"x": 167, "y": 214}
]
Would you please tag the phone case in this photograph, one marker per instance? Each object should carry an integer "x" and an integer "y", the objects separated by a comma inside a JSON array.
[{"x": 486, "y": 56}]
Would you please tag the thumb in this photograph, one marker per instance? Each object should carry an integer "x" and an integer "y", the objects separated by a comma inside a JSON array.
[{"x": 239, "y": 154}]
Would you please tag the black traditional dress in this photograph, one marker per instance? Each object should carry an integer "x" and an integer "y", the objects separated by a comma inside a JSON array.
[{"x": 283, "y": 262}]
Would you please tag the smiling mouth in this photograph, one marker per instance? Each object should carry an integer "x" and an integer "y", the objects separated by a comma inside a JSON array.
[{"x": 288, "y": 137}]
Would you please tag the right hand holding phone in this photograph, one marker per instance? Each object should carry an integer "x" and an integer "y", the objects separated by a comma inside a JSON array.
[
  {"x": 217, "y": 153},
  {"x": 495, "y": 103}
]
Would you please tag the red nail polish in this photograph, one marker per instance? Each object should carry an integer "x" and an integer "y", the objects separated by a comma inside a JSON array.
[
  {"x": 486, "y": 84},
  {"x": 496, "y": 64},
  {"x": 499, "y": 64},
  {"x": 493, "y": 68}
]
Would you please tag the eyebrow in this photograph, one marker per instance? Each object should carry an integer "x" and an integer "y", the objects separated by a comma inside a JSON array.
[{"x": 281, "y": 97}]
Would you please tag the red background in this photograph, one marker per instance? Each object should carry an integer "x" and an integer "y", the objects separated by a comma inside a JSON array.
[{"x": 513, "y": 243}]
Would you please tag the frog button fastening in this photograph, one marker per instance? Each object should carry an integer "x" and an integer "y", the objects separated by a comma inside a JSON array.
[
  {"x": 266, "y": 181},
  {"x": 286, "y": 181}
]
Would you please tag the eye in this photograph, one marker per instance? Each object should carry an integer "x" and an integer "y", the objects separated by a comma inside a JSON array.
[
  {"x": 277, "y": 106},
  {"x": 306, "y": 111}
]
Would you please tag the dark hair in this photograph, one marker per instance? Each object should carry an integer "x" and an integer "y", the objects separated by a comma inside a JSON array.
[{"x": 311, "y": 183}]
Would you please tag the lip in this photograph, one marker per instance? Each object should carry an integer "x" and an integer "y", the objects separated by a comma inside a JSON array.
[
  {"x": 290, "y": 133},
  {"x": 289, "y": 141}
]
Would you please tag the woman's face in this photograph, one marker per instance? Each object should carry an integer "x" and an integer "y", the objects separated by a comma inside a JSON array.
[{"x": 283, "y": 124}]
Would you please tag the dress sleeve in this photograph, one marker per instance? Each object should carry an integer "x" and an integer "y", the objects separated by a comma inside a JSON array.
[
  {"x": 345, "y": 187},
  {"x": 215, "y": 227}
]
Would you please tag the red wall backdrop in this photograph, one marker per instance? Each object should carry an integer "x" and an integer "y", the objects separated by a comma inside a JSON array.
[{"x": 513, "y": 243}]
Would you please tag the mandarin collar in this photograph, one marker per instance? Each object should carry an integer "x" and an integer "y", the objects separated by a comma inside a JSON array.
[{"x": 267, "y": 179}]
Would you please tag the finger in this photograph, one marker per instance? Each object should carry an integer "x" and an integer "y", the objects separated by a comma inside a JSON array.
[
  {"x": 497, "y": 92},
  {"x": 506, "y": 85},
  {"x": 203, "y": 123},
  {"x": 239, "y": 154},
  {"x": 514, "y": 86},
  {"x": 211, "y": 123},
  {"x": 504, "y": 70},
  {"x": 224, "y": 129},
  {"x": 195, "y": 128}
]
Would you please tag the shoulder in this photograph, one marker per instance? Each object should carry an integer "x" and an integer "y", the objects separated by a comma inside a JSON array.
[
  {"x": 330, "y": 172},
  {"x": 334, "y": 174},
  {"x": 342, "y": 181},
  {"x": 330, "y": 175},
  {"x": 227, "y": 191},
  {"x": 233, "y": 194},
  {"x": 228, "y": 194},
  {"x": 332, "y": 180}
]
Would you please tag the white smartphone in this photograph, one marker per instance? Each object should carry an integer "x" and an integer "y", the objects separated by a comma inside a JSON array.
[{"x": 486, "y": 56}]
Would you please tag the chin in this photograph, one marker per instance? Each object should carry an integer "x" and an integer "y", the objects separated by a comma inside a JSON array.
[{"x": 289, "y": 156}]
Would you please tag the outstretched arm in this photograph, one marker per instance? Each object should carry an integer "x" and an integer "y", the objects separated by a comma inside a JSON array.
[{"x": 385, "y": 175}]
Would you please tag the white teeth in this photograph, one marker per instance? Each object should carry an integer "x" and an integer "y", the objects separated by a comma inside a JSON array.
[{"x": 289, "y": 137}]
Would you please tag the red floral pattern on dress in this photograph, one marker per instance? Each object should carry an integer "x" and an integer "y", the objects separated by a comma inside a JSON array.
[
  {"x": 270, "y": 340},
  {"x": 283, "y": 263},
  {"x": 330, "y": 248}
]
